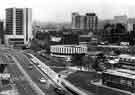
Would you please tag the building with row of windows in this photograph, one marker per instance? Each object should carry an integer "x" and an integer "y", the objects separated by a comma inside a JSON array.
[
  {"x": 85, "y": 22},
  {"x": 122, "y": 75},
  {"x": 67, "y": 51},
  {"x": 18, "y": 26}
]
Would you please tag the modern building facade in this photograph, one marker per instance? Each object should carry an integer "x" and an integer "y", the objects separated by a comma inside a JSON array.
[
  {"x": 1, "y": 32},
  {"x": 70, "y": 38},
  {"x": 121, "y": 19},
  {"x": 75, "y": 21},
  {"x": 91, "y": 22},
  {"x": 131, "y": 24},
  {"x": 18, "y": 26},
  {"x": 85, "y": 22}
]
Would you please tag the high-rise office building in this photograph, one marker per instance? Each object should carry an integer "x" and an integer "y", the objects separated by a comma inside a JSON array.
[
  {"x": 1, "y": 32},
  {"x": 18, "y": 26},
  {"x": 91, "y": 22},
  {"x": 75, "y": 21},
  {"x": 85, "y": 22}
]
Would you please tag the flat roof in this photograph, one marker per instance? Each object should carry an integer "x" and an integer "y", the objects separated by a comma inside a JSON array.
[
  {"x": 69, "y": 46},
  {"x": 122, "y": 72},
  {"x": 113, "y": 46},
  {"x": 127, "y": 56}
]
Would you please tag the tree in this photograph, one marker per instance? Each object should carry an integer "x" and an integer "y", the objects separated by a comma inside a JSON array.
[
  {"x": 99, "y": 62},
  {"x": 107, "y": 34},
  {"x": 77, "y": 60},
  {"x": 41, "y": 41}
]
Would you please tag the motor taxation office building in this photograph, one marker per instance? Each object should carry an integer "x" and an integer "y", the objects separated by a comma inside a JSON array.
[{"x": 18, "y": 26}]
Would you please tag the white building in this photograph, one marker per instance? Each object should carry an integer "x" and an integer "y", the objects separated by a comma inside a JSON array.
[
  {"x": 18, "y": 26},
  {"x": 131, "y": 24},
  {"x": 66, "y": 51},
  {"x": 121, "y": 19}
]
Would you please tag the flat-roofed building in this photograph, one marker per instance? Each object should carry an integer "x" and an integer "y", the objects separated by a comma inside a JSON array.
[
  {"x": 85, "y": 22},
  {"x": 18, "y": 26}
]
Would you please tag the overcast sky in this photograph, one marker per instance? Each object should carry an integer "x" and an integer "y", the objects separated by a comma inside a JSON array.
[{"x": 60, "y": 10}]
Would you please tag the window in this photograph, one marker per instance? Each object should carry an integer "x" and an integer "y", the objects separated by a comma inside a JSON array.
[
  {"x": 122, "y": 81},
  {"x": 129, "y": 82}
]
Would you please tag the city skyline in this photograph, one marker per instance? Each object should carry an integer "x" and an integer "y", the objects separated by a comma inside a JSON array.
[{"x": 61, "y": 11}]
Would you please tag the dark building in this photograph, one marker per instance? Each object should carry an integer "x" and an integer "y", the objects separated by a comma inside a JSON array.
[
  {"x": 132, "y": 38},
  {"x": 115, "y": 33},
  {"x": 9, "y": 21},
  {"x": 91, "y": 22},
  {"x": 1, "y": 32},
  {"x": 70, "y": 38},
  {"x": 84, "y": 39},
  {"x": 133, "y": 27},
  {"x": 75, "y": 21}
]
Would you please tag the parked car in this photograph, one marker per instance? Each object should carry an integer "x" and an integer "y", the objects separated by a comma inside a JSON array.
[
  {"x": 60, "y": 91},
  {"x": 42, "y": 80},
  {"x": 39, "y": 65},
  {"x": 30, "y": 67}
]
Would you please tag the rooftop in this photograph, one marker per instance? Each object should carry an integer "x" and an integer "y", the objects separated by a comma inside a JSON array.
[{"x": 82, "y": 80}]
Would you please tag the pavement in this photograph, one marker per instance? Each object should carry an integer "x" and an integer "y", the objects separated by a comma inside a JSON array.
[{"x": 77, "y": 68}]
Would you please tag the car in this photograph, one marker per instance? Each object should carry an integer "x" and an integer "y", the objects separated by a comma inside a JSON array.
[
  {"x": 42, "y": 80},
  {"x": 60, "y": 91},
  {"x": 30, "y": 63},
  {"x": 30, "y": 67},
  {"x": 39, "y": 66}
]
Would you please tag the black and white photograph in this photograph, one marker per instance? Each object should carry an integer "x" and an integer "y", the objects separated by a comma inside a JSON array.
[{"x": 67, "y": 47}]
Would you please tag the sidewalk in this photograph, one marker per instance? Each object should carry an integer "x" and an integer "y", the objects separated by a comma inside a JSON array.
[{"x": 79, "y": 68}]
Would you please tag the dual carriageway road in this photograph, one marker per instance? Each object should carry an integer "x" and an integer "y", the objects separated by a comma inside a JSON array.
[{"x": 35, "y": 74}]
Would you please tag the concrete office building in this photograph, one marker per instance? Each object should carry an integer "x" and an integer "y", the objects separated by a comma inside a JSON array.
[
  {"x": 75, "y": 21},
  {"x": 18, "y": 26},
  {"x": 131, "y": 24},
  {"x": 82, "y": 22},
  {"x": 91, "y": 22},
  {"x": 85, "y": 22}
]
